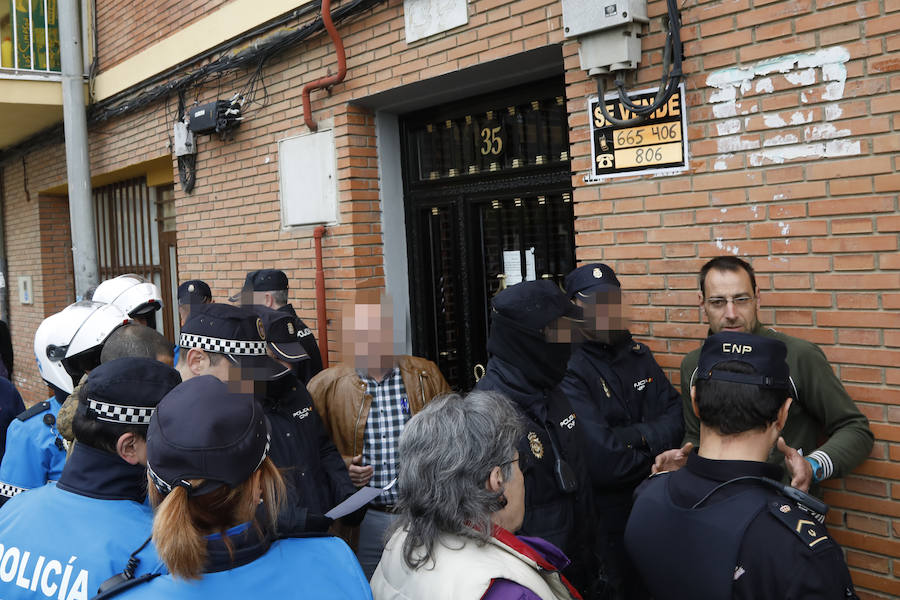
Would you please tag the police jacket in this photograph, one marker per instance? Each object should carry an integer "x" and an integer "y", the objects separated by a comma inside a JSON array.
[
  {"x": 561, "y": 516},
  {"x": 64, "y": 539},
  {"x": 821, "y": 406},
  {"x": 744, "y": 541},
  {"x": 306, "y": 369},
  {"x": 315, "y": 567},
  {"x": 627, "y": 411},
  {"x": 36, "y": 453},
  {"x": 341, "y": 400},
  {"x": 313, "y": 470},
  {"x": 10, "y": 405}
]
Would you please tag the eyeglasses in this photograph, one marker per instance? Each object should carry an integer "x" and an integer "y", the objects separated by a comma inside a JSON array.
[
  {"x": 509, "y": 462},
  {"x": 718, "y": 303}
]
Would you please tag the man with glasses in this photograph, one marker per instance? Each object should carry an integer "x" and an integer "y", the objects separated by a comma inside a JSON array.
[{"x": 822, "y": 409}]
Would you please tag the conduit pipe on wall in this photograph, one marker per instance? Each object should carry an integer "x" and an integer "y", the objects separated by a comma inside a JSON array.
[
  {"x": 332, "y": 79},
  {"x": 321, "y": 313}
]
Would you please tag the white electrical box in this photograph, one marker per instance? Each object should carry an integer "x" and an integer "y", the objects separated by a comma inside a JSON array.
[
  {"x": 307, "y": 181},
  {"x": 26, "y": 290},
  {"x": 587, "y": 16}
]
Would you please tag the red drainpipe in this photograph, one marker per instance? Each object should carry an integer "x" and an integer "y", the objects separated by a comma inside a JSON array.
[
  {"x": 332, "y": 79},
  {"x": 321, "y": 314}
]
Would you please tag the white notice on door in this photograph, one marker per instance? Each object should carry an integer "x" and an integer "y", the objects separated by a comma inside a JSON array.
[{"x": 512, "y": 266}]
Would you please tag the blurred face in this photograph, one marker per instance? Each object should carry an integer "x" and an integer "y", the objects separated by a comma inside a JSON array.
[
  {"x": 197, "y": 362},
  {"x": 367, "y": 336},
  {"x": 603, "y": 312},
  {"x": 510, "y": 517},
  {"x": 730, "y": 302}
]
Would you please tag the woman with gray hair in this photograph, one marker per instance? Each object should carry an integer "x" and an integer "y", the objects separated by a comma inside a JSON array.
[{"x": 461, "y": 497}]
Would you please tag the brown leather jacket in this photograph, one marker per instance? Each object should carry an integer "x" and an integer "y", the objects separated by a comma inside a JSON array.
[{"x": 340, "y": 397}]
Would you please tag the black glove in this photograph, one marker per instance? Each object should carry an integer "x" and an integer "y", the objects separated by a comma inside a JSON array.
[{"x": 630, "y": 436}]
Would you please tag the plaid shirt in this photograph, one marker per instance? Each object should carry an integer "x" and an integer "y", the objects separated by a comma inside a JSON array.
[{"x": 387, "y": 417}]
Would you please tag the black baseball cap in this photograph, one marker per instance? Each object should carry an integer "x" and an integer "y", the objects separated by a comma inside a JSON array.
[
  {"x": 264, "y": 280},
  {"x": 235, "y": 332},
  {"x": 534, "y": 304},
  {"x": 281, "y": 334},
  {"x": 127, "y": 390},
  {"x": 590, "y": 279},
  {"x": 203, "y": 430},
  {"x": 766, "y": 355},
  {"x": 194, "y": 291}
]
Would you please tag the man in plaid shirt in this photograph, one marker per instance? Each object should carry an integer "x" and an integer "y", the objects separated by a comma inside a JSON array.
[{"x": 365, "y": 407}]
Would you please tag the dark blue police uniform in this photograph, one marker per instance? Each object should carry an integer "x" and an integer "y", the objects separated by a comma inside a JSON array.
[{"x": 746, "y": 541}]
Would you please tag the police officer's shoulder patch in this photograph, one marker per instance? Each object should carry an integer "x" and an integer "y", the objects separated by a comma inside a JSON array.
[
  {"x": 805, "y": 527},
  {"x": 34, "y": 410}
]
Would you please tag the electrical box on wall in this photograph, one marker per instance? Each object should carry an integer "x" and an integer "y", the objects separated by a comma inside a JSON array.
[
  {"x": 608, "y": 31},
  {"x": 307, "y": 181}
]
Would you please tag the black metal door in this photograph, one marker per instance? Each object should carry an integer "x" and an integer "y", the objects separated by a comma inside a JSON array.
[{"x": 488, "y": 204}]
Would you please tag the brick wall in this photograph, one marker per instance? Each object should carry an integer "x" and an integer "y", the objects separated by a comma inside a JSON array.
[
  {"x": 126, "y": 28},
  {"x": 797, "y": 173}
]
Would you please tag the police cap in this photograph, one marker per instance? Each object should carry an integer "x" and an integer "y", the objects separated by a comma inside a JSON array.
[
  {"x": 534, "y": 304},
  {"x": 281, "y": 334},
  {"x": 126, "y": 390},
  {"x": 194, "y": 291},
  {"x": 203, "y": 430},
  {"x": 263, "y": 280},
  {"x": 766, "y": 355},
  {"x": 590, "y": 279},
  {"x": 235, "y": 332}
]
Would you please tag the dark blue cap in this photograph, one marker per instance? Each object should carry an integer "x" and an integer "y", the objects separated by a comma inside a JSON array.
[
  {"x": 126, "y": 390},
  {"x": 235, "y": 332},
  {"x": 534, "y": 304},
  {"x": 264, "y": 280},
  {"x": 282, "y": 331},
  {"x": 203, "y": 430},
  {"x": 590, "y": 279},
  {"x": 766, "y": 355},
  {"x": 194, "y": 291}
]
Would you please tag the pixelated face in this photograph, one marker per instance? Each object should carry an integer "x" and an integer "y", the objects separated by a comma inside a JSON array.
[
  {"x": 603, "y": 312},
  {"x": 730, "y": 302},
  {"x": 561, "y": 331},
  {"x": 368, "y": 337}
]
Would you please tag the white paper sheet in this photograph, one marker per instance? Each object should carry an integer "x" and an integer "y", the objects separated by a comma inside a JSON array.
[
  {"x": 358, "y": 500},
  {"x": 512, "y": 266}
]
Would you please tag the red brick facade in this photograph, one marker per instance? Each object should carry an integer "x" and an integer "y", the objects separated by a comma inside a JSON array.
[{"x": 796, "y": 172}]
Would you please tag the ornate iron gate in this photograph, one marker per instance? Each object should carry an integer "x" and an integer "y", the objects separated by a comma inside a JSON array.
[{"x": 488, "y": 204}]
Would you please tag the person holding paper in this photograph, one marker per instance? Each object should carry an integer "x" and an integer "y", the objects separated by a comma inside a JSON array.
[{"x": 365, "y": 405}]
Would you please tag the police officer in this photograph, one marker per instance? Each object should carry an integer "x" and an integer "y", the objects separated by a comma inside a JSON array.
[
  {"x": 207, "y": 454},
  {"x": 628, "y": 413},
  {"x": 192, "y": 293},
  {"x": 65, "y": 539},
  {"x": 269, "y": 287},
  {"x": 137, "y": 297},
  {"x": 724, "y": 526},
  {"x": 67, "y": 345},
  {"x": 314, "y": 472},
  {"x": 529, "y": 346}
]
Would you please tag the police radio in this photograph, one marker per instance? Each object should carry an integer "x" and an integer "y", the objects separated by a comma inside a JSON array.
[{"x": 800, "y": 497}]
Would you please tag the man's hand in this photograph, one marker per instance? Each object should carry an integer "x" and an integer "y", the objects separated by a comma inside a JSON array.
[
  {"x": 359, "y": 474},
  {"x": 798, "y": 467},
  {"x": 672, "y": 460}
]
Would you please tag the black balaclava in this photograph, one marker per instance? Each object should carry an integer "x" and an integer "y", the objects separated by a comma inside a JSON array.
[{"x": 543, "y": 363}]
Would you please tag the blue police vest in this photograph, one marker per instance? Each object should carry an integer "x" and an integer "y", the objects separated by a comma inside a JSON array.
[
  {"x": 59, "y": 545},
  {"x": 684, "y": 552},
  {"x": 35, "y": 453},
  {"x": 320, "y": 568}
]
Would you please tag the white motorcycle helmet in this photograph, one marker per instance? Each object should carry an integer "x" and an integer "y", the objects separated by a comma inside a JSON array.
[
  {"x": 68, "y": 344},
  {"x": 136, "y": 296}
]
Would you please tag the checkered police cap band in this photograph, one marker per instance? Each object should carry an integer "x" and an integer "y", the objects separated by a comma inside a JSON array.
[
  {"x": 119, "y": 413},
  {"x": 8, "y": 490},
  {"x": 211, "y": 344}
]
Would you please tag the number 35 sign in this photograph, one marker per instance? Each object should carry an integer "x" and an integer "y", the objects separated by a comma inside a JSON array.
[{"x": 657, "y": 145}]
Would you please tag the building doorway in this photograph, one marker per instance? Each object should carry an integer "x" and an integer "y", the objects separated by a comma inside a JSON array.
[{"x": 488, "y": 200}]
